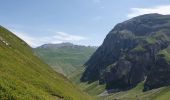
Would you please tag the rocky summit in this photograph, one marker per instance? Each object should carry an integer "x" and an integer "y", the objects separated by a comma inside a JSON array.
[{"x": 135, "y": 50}]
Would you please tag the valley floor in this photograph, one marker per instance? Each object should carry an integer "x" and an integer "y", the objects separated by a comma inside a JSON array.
[{"x": 137, "y": 94}]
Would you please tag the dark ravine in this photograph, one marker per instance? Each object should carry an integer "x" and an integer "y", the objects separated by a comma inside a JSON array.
[{"x": 133, "y": 51}]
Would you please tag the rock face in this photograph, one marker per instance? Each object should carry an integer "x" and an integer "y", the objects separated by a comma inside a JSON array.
[
  {"x": 133, "y": 51},
  {"x": 160, "y": 73}
]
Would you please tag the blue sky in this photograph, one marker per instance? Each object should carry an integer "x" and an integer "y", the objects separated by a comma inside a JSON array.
[{"x": 85, "y": 22}]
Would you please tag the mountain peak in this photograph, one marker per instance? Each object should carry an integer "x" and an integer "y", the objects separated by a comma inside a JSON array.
[
  {"x": 130, "y": 51},
  {"x": 143, "y": 25}
]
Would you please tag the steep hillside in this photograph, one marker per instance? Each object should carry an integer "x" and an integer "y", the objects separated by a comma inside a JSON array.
[
  {"x": 65, "y": 58},
  {"x": 133, "y": 51},
  {"x": 25, "y": 77}
]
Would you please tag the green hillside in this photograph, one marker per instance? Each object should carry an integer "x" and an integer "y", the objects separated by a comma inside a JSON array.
[
  {"x": 65, "y": 58},
  {"x": 23, "y": 76},
  {"x": 137, "y": 94},
  {"x": 92, "y": 88}
]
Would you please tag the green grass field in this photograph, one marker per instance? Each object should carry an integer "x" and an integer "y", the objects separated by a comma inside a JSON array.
[
  {"x": 23, "y": 76},
  {"x": 137, "y": 94}
]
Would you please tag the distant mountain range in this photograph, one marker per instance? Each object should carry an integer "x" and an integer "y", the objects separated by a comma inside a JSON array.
[
  {"x": 64, "y": 44},
  {"x": 59, "y": 45},
  {"x": 65, "y": 57}
]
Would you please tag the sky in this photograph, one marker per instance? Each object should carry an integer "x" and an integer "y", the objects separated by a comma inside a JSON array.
[{"x": 82, "y": 22}]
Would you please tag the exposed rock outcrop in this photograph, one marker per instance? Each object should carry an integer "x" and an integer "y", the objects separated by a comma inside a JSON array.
[{"x": 129, "y": 54}]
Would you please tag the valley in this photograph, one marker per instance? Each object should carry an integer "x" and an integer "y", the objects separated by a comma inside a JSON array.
[
  {"x": 119, "y": 68},
  {"x": 68, "y": 59},
  {"x": 133, "y": 63}
]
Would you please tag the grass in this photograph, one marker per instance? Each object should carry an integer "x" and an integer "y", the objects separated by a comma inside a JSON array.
[
  {"x": 151, "y": 40},
  {"x": 137, "y": 94},
  {"x": 67, "y": 59},
  {"x": 165, "y": 53},
  {"x": 23, "y": 76},
  {"x": 93, "y": 89},
  {"x": 138, "y": 48}
]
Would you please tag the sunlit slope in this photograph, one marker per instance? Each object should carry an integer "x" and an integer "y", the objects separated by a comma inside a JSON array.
[
  {"x": 65, "y": 58},
  {"x": 138, "y": 94},
  {"x": 25, "y": 77}
]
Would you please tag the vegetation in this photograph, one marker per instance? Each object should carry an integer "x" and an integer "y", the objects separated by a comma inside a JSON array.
[
  {"x": 151, "y": 40},
  {"x": 138, "y": 94},
  {"x": 93, "y": 89},
  {"x": 65, "y": 59},
  {"x": 165, "y": 53},
  {"x": 25, "y": 77},
  {"x": 139, "y": 48},
  {"x": 69, "y": 61}
]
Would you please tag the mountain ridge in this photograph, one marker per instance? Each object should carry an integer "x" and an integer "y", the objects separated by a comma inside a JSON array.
[
  {"x": 64, "y": 44},
  {"x": 65, "y": 58},
  {"x": 129, "y": 52}
]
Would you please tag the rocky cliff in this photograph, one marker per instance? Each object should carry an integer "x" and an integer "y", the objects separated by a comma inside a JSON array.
[{"x": 133, "y": 51}]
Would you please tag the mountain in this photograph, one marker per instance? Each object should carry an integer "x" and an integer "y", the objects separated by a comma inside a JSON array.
[
  {"x": 65, "y": 58},
  {"x": 23, "y": 76},
  {"x": 134, "y": 51}
]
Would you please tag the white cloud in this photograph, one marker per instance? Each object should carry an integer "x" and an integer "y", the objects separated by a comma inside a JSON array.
[
  {"x": 57, "y": 37},
  {"x": 164, "y": 9},
  {"x": 62, "y": 36}
]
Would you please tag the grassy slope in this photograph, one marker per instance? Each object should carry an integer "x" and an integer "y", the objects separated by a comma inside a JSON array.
[
  {"x": 137, "y": 94},
  {"x": 25, "y": 77},
  {"x": 92, "y": 88},
  {"x": 65, "y": 60}
]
